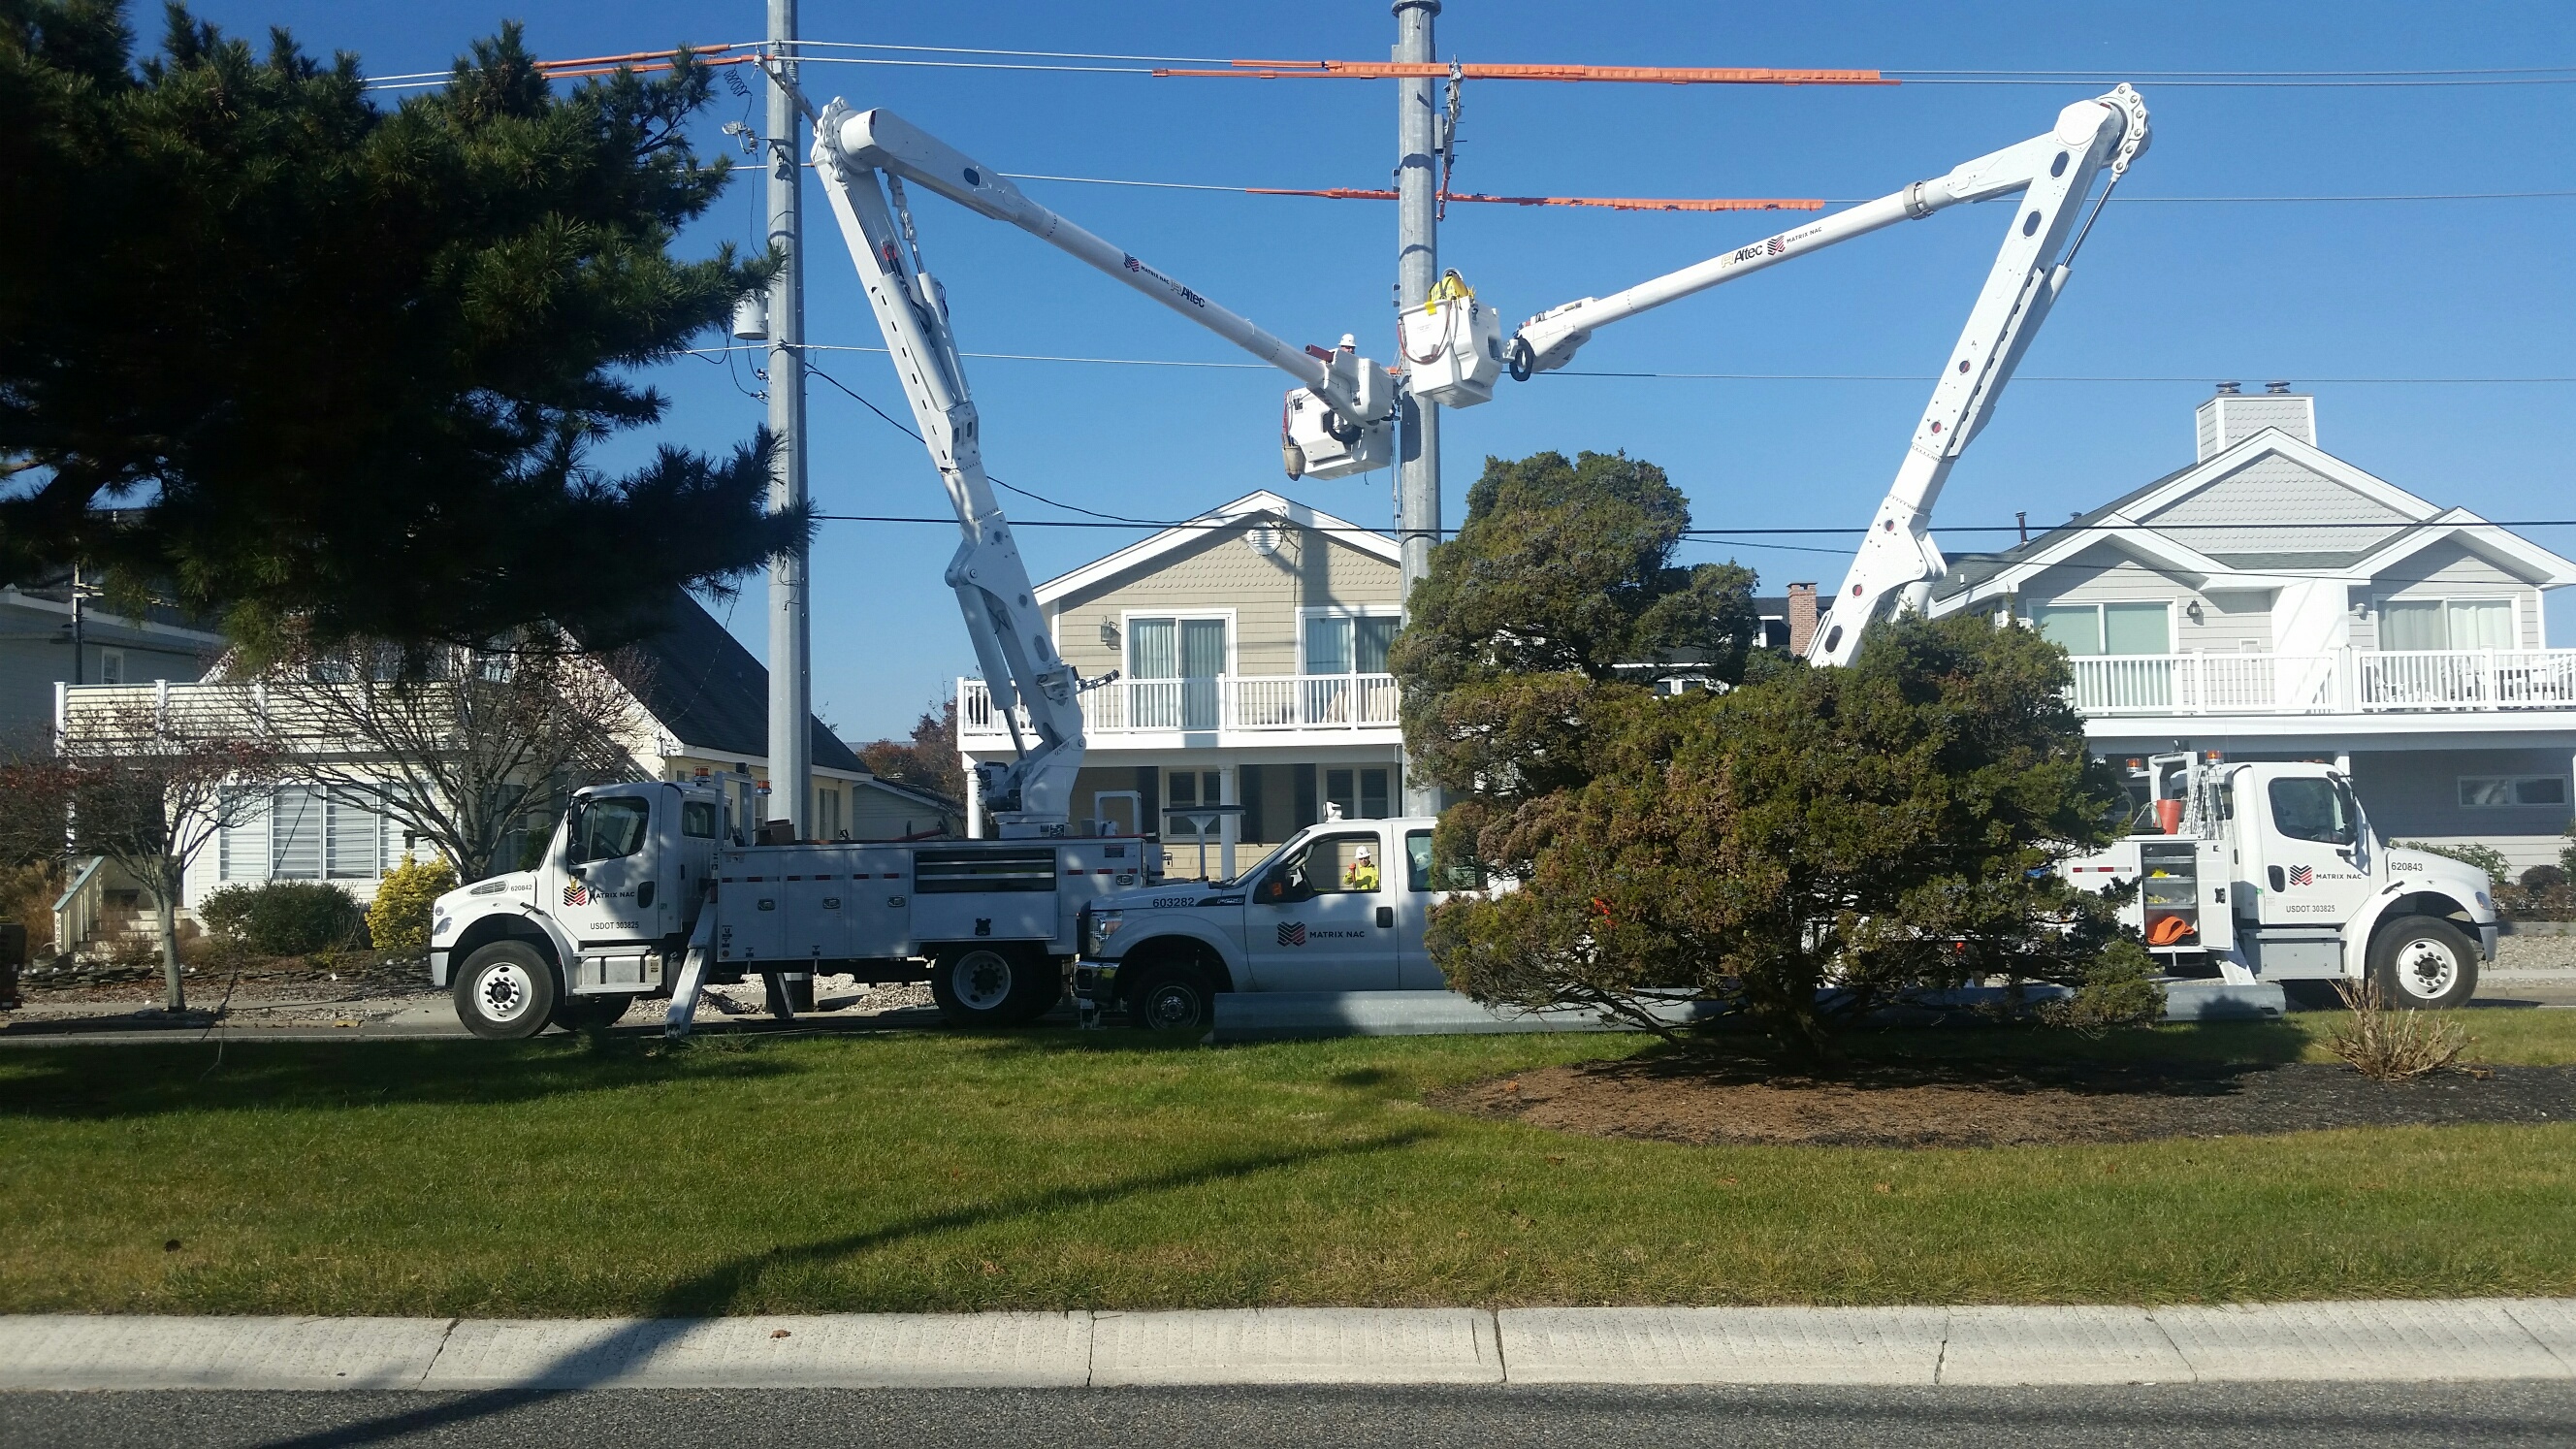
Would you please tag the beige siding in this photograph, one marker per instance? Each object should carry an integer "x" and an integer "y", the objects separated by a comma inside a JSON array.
[
  {"x": 2103, "y": 574},
  {"x": 2267, "y": 493},
  {"x": 1309, "y": 570},
  {"x": 2449, "y": 570}
]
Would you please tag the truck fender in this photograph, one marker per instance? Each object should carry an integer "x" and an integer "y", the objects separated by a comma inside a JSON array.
[
  {"x": 517, "y": 922},
  {"x": 1228, "y": 955},
  {"x": 2398, "y": 901}
]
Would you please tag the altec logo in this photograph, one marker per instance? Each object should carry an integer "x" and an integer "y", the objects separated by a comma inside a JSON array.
[
  {"x": 2303, "y": 875},
  {"x": 1292, "y": 933}
]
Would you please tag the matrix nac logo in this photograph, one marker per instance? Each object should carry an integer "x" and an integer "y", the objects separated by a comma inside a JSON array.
[{"x": 1292, "y": 933}]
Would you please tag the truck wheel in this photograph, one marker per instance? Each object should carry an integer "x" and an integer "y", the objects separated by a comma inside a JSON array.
[
  {"x": 2423, "y": 962},
  {"x": 580, "y": 1013},
  {"x": 993, "y": 985},
  {"x": 1172, "y": 998},
  {"x": 506, "y": 991}
]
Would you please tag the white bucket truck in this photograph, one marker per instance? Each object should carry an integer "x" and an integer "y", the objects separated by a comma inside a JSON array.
[
  {"x": 2271, "y": 872},
  {"x": 638, "y": 896}
]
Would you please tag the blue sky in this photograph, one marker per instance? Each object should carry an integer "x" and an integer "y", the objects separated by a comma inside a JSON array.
[{"x": 2198, "y": 292}]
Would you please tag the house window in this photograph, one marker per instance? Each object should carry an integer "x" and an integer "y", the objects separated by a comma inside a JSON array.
[
  {"x": 111, "y": 666},
  {"x": 1186, "y": 789},
  {"x": 1361, "y": 793},
  {"x": 1173, "y": 664},
  {"x": 2096, "y": 629},
  {"x": 1349, "y": 644},
  {"x": 2489, "y": 792},
  {"x": 827, "y": 814},
  {"x": 2446, "y": 624},
  {"x": 314, "y": 837}
]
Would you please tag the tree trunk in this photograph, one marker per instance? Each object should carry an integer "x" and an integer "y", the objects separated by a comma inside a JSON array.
[{"x": 175, "y": 991}]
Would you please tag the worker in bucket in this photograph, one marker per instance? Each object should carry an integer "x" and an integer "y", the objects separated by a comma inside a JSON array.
[{"x": 1362, "y": 876}]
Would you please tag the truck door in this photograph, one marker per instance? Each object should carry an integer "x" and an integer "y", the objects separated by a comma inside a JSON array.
[
  {"x": 1323, "y": 916},
  {"x": 1414, "y": 969},
  {"x": 605, "y": 884},
  {"x": 2312, "y": 833}
]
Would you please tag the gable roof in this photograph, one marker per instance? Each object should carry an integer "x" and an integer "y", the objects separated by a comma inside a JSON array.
[
  {"x": 2349, "y": 524},
  {"x": 1248, "y": 509},
  {"x": 707, "y": 691}
]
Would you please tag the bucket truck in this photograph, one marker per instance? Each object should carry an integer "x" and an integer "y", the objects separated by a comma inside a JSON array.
[
  {"x": 1454, "y": 351},
  {"x": 646, "y": 890}
]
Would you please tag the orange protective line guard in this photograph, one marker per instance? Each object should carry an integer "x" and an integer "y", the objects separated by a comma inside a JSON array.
[
  {"x": 1671, "y": 75},
  {"x": 1615, "y": 203}
]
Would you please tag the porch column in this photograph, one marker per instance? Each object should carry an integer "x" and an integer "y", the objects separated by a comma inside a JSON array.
[
  {"x": 974, "y": 802},
  {"x": 1229, "y": 826}
]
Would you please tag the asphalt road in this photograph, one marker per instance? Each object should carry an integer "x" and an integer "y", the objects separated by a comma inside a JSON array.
[{"x": 2164, "y": 1417}]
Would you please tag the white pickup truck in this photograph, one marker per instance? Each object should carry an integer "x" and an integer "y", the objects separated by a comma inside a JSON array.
[
  {"x": 1341, "y": 906},
  {"x": 2271, "y": 872}
]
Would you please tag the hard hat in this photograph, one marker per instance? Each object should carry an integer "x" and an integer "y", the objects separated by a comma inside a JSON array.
[{"x": 1364, "y": 852}]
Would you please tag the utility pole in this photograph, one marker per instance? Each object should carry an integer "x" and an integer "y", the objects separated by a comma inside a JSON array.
[
  {"x": 791, "y": 744},
  {"x": 1417, "y": 183}
]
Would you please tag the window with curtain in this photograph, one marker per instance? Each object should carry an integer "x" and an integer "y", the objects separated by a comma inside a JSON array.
[
  {"x": 2446, "y": 624},
  {"x": 1175, "y": 662},
  {"x": 1345, "y": 644},
  {"x": 2097, "y": 629},
  {"x": 2075, "y": 628}
]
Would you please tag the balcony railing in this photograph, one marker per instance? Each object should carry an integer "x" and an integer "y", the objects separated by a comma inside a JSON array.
[
  {"x": 1227, "y": 703},
  {"x": 2348, "y": 681}
]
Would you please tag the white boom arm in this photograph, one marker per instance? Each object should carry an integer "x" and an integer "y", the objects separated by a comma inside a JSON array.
[
  {"x": 864, "y": 158},
  {"x": 2056, "y": 172}
]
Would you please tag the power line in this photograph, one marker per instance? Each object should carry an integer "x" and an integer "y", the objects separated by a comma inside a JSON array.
[
  {"x": 1712, "y": 535},
  {"x": 902, "y": 428},
  {"x": 2195, "y": 379},
  {"x": 2121, "y": 198}
]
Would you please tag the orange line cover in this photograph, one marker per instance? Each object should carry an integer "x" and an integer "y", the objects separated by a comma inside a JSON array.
[
  {"x": 1615, "y": 203},
  {"x": 1671, "y": 75}
]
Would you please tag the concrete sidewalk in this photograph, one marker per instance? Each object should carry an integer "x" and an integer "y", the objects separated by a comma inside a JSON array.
[{"x": 2387, "y": 1342}]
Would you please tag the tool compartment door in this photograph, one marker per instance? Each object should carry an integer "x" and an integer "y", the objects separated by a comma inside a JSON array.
[
  {"x": 750, "y": 894},
  {"x": 1005, "y": 892},
  {"x": 876, "y": 901}
]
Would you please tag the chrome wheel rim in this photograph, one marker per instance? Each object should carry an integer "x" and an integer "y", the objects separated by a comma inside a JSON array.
[
  {"x": 2425, "y": 968},
  {"x": 981, "y": 979},
  {"x": 502, "y": 992}
]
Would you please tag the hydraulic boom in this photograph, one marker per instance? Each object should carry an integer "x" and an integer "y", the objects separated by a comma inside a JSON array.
[{"x": 864, "y": 159}]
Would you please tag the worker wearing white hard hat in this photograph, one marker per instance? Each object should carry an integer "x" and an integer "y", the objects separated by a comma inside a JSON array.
[{"x": 1362, "y": 876}]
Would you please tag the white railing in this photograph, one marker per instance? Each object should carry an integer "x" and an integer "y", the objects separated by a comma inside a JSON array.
[
  {"x": 2349, "y": 681},
  {"x": 1257, "y": 702}
]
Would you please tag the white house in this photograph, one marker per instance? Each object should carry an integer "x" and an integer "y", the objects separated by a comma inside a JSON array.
[{"x": 2273, "y": 601}]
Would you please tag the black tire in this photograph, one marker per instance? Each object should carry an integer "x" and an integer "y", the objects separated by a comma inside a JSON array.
[
  {"x": 581, "y": 1013},
  {"x": 988, "y": 986},
  {"x": 1174, "y": 997},
  {"x": 507, "y": 991},
  {"x": 2423, "y": 962}
]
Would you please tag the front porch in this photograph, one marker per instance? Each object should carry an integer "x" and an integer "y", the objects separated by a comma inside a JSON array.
[{"x": 2353, "y": 682}]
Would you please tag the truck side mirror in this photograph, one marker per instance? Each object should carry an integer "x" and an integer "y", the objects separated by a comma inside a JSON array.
[{"x": 573, "y": 856}]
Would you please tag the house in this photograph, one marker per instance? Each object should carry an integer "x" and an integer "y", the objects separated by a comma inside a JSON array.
[
  {"x": 55, "y": 630},
  {"x": 702, "y": 713},
  {"x": 2275, "y": 602},
  {"x": 1249, "y": 645}
]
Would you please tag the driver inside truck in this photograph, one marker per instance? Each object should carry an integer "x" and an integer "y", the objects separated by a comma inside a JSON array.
[{"x": 1362, "y": 876}]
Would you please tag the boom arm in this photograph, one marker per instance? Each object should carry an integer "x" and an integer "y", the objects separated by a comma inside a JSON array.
[
  {"x": 864, "y": 158},
  {"x": 2055, "y": 172}
]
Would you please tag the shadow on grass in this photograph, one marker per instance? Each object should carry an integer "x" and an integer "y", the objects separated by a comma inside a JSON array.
[
  {"x": 113, "y": 1082},
  {"x": 718, "y": 1288}
]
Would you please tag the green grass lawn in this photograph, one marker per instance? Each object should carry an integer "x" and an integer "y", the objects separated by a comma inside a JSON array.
[{"x": 1051, "y": 1170}]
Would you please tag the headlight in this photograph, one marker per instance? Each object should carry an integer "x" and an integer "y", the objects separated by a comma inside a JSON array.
[
  {"x": 440, "y": 927},
  {"x": 2484, "y": 902},
  {"x": 1104, "y": 924}
]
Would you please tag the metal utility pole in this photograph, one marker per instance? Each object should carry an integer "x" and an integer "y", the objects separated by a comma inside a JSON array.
[
  {"x": 1417, "y": 184},
  {"x": 791, "y": 745}
]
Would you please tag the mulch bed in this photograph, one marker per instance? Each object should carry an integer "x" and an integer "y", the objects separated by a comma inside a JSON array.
[{"x": 1996, "y": 1104}]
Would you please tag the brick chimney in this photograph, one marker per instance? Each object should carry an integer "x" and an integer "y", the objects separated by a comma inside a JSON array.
[{"x": 1802, "y": 616}]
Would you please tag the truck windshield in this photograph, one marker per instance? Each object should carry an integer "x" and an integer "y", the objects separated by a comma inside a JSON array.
[
  {"x": 2316, "y": 809},
  {"x": 613, "y": 827}
]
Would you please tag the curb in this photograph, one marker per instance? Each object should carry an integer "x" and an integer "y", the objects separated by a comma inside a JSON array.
[{"x": 2387, "y": 1342}]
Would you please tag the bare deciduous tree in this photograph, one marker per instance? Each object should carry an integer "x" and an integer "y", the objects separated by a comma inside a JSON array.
[
  {"x": 458, "y": 747},
  {"x": 149, "y": 785}
]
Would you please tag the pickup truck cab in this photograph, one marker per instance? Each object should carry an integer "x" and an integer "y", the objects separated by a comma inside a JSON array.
[{"x": 1341, "y": 906}]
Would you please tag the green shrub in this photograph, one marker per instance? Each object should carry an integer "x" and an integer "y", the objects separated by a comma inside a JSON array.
[
  {"x": 399, "y": 919},
  {"x": 2119, "y": 989},
  {"x": 284, "y": 917}
]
